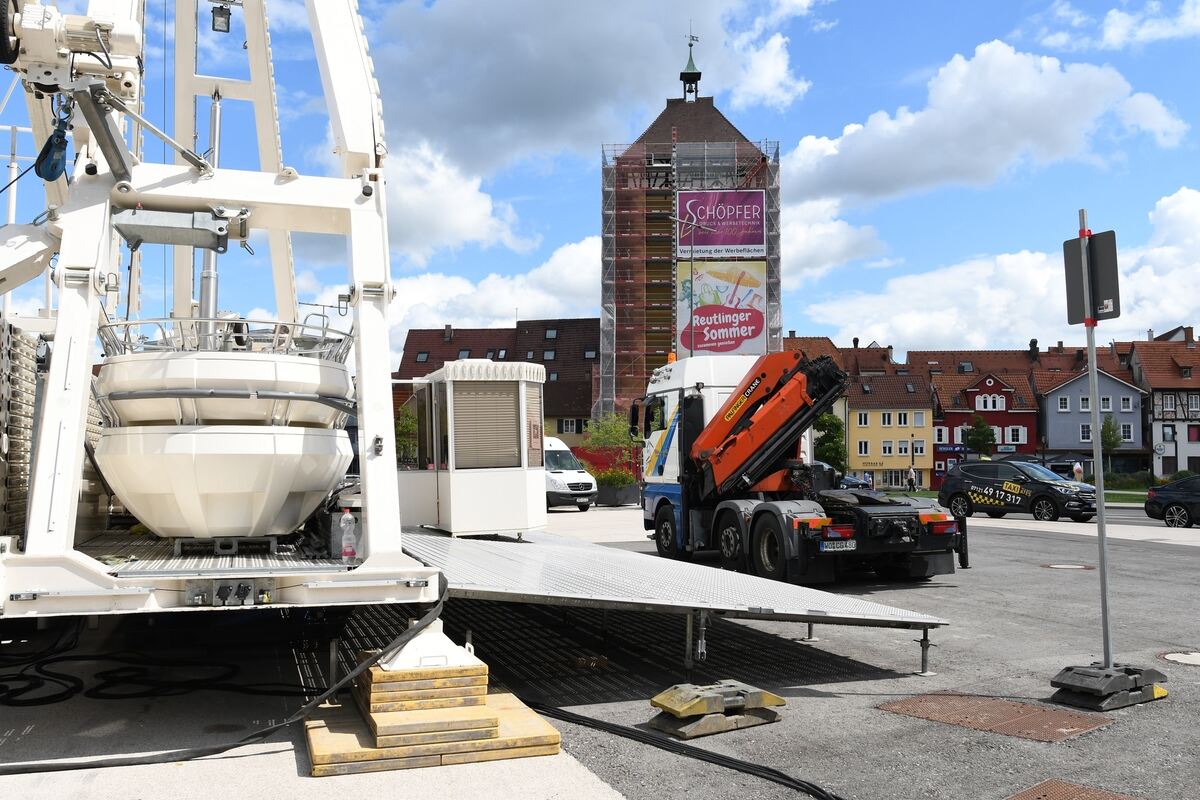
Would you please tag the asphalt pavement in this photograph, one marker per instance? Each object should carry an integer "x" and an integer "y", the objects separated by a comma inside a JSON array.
[{"x": 1014, "y": 623}]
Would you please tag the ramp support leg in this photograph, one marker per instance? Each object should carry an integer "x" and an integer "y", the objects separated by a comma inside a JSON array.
[
  {"x": 334, "y": 643},
  {"x": 688, "y": 661},
  {"x": 809, "y": 636},
  {"x": 925, "y": 645}
]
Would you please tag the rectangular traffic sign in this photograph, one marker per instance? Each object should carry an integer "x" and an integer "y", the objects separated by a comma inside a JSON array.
[{"x": 1102, "y": 271}]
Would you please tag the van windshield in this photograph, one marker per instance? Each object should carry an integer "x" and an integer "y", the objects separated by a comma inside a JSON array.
[{"x": 562, "y": 459}]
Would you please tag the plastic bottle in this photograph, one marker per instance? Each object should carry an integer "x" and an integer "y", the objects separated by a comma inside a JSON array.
[{"x": 349, "y": 540}]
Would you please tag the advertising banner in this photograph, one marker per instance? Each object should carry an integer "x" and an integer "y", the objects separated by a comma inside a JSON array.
[
  {"x": 738, "y": 222},
  {"x": 721, "y": 307}
]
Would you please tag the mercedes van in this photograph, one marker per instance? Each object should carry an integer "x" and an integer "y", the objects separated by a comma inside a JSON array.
[{"x": 567, "y": 482}]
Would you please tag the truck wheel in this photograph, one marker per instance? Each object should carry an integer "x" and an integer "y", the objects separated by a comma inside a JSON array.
[
  {"x": 770, "y": 555},
  {"x": 1044, "y": 510},
  {"x": 664, "y": 532},
  {"x": 729, "y": 537},
  {"x": 960, "y": 506}
]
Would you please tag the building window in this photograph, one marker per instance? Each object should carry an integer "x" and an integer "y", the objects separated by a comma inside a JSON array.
[
  {"x": 529, "y": 355},
  {"x": 863, "y": 418},
  {"x": 502, "y": 353},
  {"x": 1016, "y": 434},
  {"x": 864, "y": 447},
  {"x": 589, "y": 353},
  {"x": 422, "y": 357},
  {"x": 490, "y": 353},
  {"x": 1106, "y": 403},
  {"x": 1194, "y": 402},
  {"x": 1126, "y": 432},
  {"x": 1085, "y": 403},
  {"x": 1194, "y": 433},
  {"x": 553, "y": 376},
  {"x": 1185, "y": 372},
  {"x": 1168, "y": 433},
  {"x": 918, "y": 447},
  {"x": 918, "y": 419},
  {"x": 939, "y": 434},
  {"x": 902, "y": 447},
  {"x": 958, "y": 434},
  {"x": 551, "y": 333},
  {"x": 566, "y": 426},
  {"x": 885, "y": 419},
  {"x": 1127, "y": 403},
  {"x": 902, "y": 419},
  {"x": 990, "y": 402},
  {"x": 1168, "y": 402},
  {"x": 940, "y": 466},
  {"x": 1064, "y": 403},
  {"x": 887, "y": 447},
  {"x": 997, "y": 434},
  {"x": 547, "y": 355},
  {"x": 1085, "y": 432},
  {"x": 464, "y": 353}
]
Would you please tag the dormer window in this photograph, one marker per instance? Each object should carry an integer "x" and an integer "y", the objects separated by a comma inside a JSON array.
[{"x": 1185, "y": 372}]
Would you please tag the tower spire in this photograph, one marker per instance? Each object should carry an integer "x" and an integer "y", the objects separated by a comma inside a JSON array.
[{"x": 690, "y": 75}]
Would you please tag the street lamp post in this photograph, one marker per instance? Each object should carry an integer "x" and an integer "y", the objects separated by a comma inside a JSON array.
[{"x": 692, "y": 225}]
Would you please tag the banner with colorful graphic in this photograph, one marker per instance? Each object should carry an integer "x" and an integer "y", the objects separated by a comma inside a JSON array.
[
  {"x": 721, "y": 307},
  {"x": 736, "y": 223}
]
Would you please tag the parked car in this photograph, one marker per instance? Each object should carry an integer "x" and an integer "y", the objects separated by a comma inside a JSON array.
[
  {"x": 1177, "y": 504},
  {"x": 1003, "y": 487},
  {"x": 851, "y": 482},
  {"x": 567, "y": 482}
]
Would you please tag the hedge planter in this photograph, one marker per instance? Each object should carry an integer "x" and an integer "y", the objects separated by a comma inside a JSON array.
[{"x": 617, "y": 495}]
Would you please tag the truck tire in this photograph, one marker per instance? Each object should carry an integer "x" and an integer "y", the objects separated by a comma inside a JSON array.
[
  {"x": 729, "y": 539},
  {"x": 769, "y": 552},
  {"x": 664, "y": 532}
]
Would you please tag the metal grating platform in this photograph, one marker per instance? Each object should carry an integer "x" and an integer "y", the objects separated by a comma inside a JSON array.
[
  {"x": 1005, "y": 717},
  {"x": 555, "y": 570},
  {"x": 147, "y": 555},
  {"x": 1061, "y": 790}
]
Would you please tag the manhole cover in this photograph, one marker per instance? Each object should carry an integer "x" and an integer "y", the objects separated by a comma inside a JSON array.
[
  {"x": 998, "y": 716},
  {"x": 1068, "y": 566},
  {"x": 1061, "y": 790},
  {"x": 1191, "y": 658}
]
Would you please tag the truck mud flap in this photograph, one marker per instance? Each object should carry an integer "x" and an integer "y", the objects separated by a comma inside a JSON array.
[{"x": 926, "y": 565}]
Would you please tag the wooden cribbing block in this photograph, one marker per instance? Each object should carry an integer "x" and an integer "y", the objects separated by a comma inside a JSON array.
[
  {"x": 371, "y": 706},
  {"x": 378, "y": 696},
  {"x": 384, "y": 685},
  {"x": 340, "y": 742},
  {"x": 398, "y": 723}
]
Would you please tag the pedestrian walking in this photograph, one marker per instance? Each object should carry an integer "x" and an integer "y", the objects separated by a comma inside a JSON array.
[
  {"x": 1078, "y": 470},
  {"x": 912, "y": 479}
]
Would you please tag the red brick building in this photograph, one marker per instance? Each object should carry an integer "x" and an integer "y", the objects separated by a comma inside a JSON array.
[{"x": 1004, "y": 400}]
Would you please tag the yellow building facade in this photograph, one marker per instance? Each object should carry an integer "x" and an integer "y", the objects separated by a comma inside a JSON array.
[{"x": 889, "y": 429}]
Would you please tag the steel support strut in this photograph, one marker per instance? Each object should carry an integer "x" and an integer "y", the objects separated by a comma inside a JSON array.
[{"x": 925, "y": 645}]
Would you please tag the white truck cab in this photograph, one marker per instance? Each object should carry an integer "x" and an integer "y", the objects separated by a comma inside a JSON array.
[{"x": 567, "y": 482}]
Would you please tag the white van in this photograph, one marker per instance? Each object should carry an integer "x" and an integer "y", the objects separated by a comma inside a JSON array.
[{"x": 567, "y": 482}]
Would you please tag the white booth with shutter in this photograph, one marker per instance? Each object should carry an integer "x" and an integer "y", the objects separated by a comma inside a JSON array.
[{"x": 470, "y": 449}]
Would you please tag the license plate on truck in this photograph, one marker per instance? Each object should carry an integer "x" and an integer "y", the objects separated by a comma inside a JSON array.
[{"x": 839, "y": 547}]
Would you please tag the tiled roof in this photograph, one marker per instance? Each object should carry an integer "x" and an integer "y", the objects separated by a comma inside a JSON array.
[
  {"x": 1045, "y": 380},
  {"x": 699, "y": 121},
  {"x": 952, "y": 394},
  {"x": 888, "y": 391},
  {"x": 875, "y": 359},
  {"x": 814, "y": 347},
  {"x": 1162, "y": 364},
  {"x": 568, "y": 395},
  {"x": 927, "y": 362}
]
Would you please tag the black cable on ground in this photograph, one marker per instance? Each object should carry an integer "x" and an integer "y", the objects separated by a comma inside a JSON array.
[
  {"x": 687, "y": 750},
  {"x": 186, "y": 754}
]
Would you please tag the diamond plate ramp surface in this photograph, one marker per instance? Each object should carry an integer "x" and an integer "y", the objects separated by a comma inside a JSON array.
[
  {"x": 1061, "y": 790},
  {"x": 551, "y": 569},
  {"x": 998, "y": 716}
]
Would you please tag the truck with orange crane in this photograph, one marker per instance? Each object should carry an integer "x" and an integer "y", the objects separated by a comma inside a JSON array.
[{"x": 723, "y": 470}]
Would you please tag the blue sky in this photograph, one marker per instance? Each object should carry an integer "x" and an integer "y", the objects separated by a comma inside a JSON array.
[{"x": 935, "y": 153}]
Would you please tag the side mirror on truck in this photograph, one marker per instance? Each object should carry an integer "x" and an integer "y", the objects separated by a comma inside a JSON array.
[{"x": 635, "y": 430}]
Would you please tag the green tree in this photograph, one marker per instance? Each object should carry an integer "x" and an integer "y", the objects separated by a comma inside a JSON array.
[
  {"x": 406, "y": 435},
  {"x": 980, "y": 438},
  {"x": 830, "y": 443},
  {"x": 610, "y": 430},
  {"x": 1110, "y": 438}
]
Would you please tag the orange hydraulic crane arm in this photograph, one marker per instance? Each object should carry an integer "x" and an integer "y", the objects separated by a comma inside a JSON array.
[{"x": 780, "y": 398}]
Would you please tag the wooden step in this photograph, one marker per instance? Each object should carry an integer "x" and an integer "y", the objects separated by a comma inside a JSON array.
[
  {"x": 371, "y": 706},
  {"x": 378, "y": 696},
  {"x": 340, "y": 742},
  {"x": 433, "y": 720}
]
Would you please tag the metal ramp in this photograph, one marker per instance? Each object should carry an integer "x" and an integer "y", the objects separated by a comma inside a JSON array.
[{"x": 554, "y": 570}]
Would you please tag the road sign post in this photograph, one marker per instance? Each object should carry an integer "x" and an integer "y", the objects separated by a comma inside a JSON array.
[{"x": 1093, "y": 294}]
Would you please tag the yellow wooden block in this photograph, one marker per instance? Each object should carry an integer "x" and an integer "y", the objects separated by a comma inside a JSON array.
[
  {"x": 500, "y": 755},
  {"x": 434, "y": 737},
  {"x": 433, "y": 720},
  {"x": 339, "y": 736},
  {"x": 377, "y": 675},
  {"x": 432, "y": 683},
  {"x": 386, "y": 765},
  {"x": 370, "y": 706},
  {"x": 425, "y": 694}
]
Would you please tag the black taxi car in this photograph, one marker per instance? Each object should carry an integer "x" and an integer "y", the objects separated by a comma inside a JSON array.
[{"x": 1003, "y": 487}]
